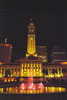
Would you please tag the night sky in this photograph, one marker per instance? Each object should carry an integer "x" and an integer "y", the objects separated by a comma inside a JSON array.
[{"x": 50, "y": 16}]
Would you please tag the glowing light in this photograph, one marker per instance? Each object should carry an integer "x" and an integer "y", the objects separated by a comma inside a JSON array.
[
  {"x": 31, "y": 47},
  {"x": 1, "y": 90},
  {"x": 1, "y": 75},
  {"x": 40, "y": 86},
  {"x": 5, "y": 80},
  {"x": 2, "y": 63},
  {"x": 23, "y": 86},
  {"x": 63, "y": 63},
  {"x": 6, "y": 45},
  {"x": 32, "y": 90},
  {"x": 59, "y": 75},
  {"x": 51, "y": 75},
  {"x": 30, "y": 79},
  {"x": 54, "y": 89},
  {"x": 54, "y": 75},
  {"x": 30, "y": 86},
  {"x": 29, "y": 71}
]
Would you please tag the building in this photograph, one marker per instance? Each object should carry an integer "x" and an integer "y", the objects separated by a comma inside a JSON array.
[
  {"x": 32, "y": 70},
  {"x": 31, "y": 40},
  {"x": 42, "y": 53},
  {"x": 58, "y": 54},
  {"x": 5, "y": 52}
]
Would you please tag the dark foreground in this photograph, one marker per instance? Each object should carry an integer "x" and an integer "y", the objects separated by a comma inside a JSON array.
[{"x": 47, "y": 96}]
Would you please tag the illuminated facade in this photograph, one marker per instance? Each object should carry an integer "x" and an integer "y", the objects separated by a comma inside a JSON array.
[
  {"x": 31, "y": 41},
  {"x": 32, "y": 65},
  {"x": 53, "y": 71},
  {"x": 33, "y": 69},
  {"x": 58, "y": 54}
]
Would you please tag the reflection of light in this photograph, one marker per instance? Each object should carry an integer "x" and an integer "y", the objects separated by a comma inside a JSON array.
[
  {"x": 30, "y": 86},
  {"x": 31, "y": 90},
  {"x": 60, "y": 89},
  {"x": 1, "y": 75},
  {"x": 46, "y": 89},
  {"x": 59, "y": 75},
  {"x": 9, "y": 80},
  {"x": 5, "y": 80},
  {"x": 1, "y": 90},
  {"x": 40, "y": 86},
  {"x": 10, "y": 89},
  {"x": 34, "y": 87},
  {"x": 22, "y": 86},
  {"x": 63, "y": 63},
  {"x": 12, "y": 79},
  {"x": 54, "y": 89},
  {"x": 2, "y": 63}
]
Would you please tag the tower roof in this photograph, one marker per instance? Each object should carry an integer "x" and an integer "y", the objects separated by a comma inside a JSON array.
[{"x": 31, "y": 26}]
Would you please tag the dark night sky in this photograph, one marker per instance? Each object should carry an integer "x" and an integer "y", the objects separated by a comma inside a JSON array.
[{"x": 50, "y": 15}]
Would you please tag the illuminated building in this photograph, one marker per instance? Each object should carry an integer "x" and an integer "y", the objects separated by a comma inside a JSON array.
[
  {"x": 42, "y": 53},
  {"x": 34, "y": 68},
  {"x": 31, "y": 67},
  {"x": 52, "y": 71},
  {"x": 5, "y": 52},
  {"x": 26, "y": 68},
  {"x": 9, "y": 70},
  {"x": 58, "y": 54},
  {"x": 31, "y": 41}
]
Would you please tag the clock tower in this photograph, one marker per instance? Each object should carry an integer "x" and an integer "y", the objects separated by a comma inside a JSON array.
[{"x": 31, "y": 41}]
